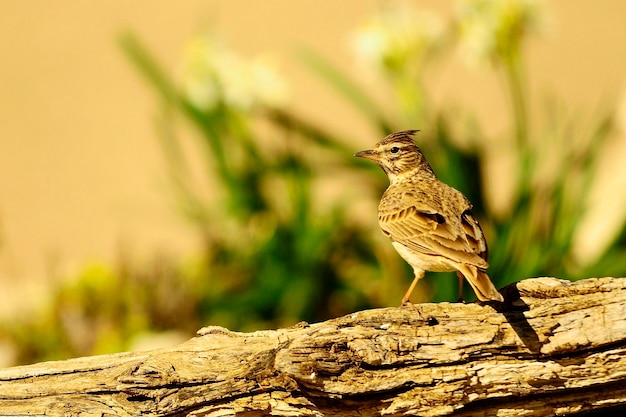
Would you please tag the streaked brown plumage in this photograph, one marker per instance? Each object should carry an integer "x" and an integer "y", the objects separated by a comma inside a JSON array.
[{"x": 429, "y": 223}]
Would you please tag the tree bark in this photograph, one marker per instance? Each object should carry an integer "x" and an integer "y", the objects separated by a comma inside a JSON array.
[{"x": 554, "y": 347}]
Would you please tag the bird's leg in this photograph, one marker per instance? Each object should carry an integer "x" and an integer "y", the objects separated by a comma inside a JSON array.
[
  {"x": 419, "y": 274},
  {"x": 461, "y": 278}
]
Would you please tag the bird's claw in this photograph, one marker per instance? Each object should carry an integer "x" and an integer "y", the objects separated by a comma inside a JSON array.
[{"x": 407, "y": 303}]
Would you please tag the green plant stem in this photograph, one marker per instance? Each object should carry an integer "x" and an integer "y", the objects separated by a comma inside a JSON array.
[{"x": 515, "y": 81}]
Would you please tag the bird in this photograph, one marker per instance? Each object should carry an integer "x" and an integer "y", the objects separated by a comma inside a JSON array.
[{"x": 430, "y": 223}]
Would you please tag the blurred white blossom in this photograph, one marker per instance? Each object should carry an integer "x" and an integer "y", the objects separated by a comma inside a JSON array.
[
  {"x": 398, "y": 37},
  {"x": 490, "y": 29},
  {"x": 214, "y": 74}
]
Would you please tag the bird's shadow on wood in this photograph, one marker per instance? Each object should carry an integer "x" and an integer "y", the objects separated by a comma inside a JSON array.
[{"x": 513, "y": 310}]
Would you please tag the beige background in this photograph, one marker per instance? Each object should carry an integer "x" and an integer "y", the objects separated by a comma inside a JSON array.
[{"x": 80, "y": 170}]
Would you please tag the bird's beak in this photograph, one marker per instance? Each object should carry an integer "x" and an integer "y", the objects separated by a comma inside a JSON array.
[{"x": 368, "y": 154}]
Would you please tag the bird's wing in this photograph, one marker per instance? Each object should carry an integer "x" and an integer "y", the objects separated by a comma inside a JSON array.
[
  {"x": 426, "y": 231},
  {"x": 474, "y": 235}
]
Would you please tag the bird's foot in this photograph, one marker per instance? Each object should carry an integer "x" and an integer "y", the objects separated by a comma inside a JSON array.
[{"x": 407, "y": 303}]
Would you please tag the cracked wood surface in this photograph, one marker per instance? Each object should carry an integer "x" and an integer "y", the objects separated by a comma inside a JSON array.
[{"x": 555, "y": 347}]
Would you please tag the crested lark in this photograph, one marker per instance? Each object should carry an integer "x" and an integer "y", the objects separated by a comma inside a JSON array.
[{"x": 430, "y": 224}]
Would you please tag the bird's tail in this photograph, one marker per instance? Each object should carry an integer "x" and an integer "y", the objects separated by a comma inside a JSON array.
[{"x": 480, "y": 282}]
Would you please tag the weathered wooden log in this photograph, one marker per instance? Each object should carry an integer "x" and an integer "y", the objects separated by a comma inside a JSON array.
[{"x": 554, "y": 347}]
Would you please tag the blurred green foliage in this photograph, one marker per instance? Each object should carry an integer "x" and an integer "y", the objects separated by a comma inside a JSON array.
[{"x": 277, "y": 249}]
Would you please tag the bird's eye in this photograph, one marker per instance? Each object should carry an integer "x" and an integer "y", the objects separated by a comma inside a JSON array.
[{"x": 395, "y": 149}]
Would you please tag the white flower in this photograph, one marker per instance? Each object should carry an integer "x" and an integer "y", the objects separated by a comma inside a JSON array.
[
  {"x": 493, "y": 28},
  {"x": 397, "y": 38},
  {"x": 214, "y": 74}
]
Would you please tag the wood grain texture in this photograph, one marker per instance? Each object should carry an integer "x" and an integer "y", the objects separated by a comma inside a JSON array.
[{"x": 556, "y": 347}]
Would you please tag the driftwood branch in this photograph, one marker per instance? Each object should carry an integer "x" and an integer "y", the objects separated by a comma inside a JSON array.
[{"x": 555, "y": 347}]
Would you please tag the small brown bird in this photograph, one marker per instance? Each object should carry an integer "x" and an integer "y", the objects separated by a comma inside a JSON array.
[{"x": 430, "y": 224}]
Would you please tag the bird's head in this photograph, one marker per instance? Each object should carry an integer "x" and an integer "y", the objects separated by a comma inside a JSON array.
[{"x": 398, "y": 156}]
